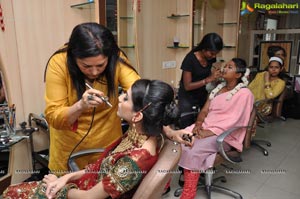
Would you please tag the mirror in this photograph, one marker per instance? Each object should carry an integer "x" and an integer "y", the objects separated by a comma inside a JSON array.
[
  {"x": 5, "y": 177},
  {"x": 6, "y": 112},
  {"x": 197, "y": 22},
  {"x": 3, "y": 96}
]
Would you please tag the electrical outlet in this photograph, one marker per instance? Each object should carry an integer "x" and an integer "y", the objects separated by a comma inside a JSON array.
[{"x": 168, "y": 64}]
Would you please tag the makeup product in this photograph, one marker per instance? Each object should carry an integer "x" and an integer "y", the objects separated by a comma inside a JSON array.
[
  {"x": 101, "y": 97},
  {"x": 187, "y": 137}
]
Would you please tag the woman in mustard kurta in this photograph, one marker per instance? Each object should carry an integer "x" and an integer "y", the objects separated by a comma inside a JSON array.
[
  {"x": 268, "y": 84},
  {"x": 74, "y": 112}
]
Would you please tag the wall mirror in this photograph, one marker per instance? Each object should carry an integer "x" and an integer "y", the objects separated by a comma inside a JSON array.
[
  {"x": 5, "y": 177},
  {"x": 6, "y": 117},
  {"x": 3, "y": 90},
  {"x": 197, "y": 21},
  {"x": 4, "y": 94}
]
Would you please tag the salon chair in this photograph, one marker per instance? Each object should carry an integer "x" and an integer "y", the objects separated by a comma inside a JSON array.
[
  {"x": 153, "y": 184},
  {"x": 232, "y": 156},
  {"x": 277, "y": 104},
  {"x": 190, "y": 116},
  {"x": 42, "y": 138}
]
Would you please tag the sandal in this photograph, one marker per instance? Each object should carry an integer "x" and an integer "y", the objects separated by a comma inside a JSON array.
[
  {"x": 166, "y": 191},
  {"x": 181, "y": 177},
  {"x": 181, "y": 180}
]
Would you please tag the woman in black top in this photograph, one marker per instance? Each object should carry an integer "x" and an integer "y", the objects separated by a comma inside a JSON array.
[{"x": 196, "y": 73}]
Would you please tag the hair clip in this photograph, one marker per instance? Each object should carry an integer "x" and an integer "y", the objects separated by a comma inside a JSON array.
[{"x": 145, "y": 107}]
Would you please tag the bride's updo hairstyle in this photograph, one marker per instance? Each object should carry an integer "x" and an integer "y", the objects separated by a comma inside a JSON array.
[{"x": 155, "y": 99}]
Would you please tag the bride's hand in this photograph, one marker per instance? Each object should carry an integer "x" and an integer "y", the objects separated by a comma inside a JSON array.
[
  {"x": 54, "y": 186},
  {"x": 49, "y": 178}
]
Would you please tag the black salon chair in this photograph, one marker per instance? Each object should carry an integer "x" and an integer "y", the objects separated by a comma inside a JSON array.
[
  {"x": 187, "y": 118},
  {"x": 39, "y": 156}
]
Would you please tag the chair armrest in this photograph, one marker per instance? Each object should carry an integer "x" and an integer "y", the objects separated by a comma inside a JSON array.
[
  {"x": 188, "y": 113},
  {"x": 39, "y": 120},
  {"x": 220, "y": 141},
  {"x": 71, "y": 162}
]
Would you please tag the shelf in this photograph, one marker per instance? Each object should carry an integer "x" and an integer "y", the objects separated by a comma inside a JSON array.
[
  {"x": 173, "y": 16},
  {"x": 197, "y": 24},
  {"x": 227, "y": 23},
  {"x": 177, "y": 47},
  {"x": 229, "y": 46},
  {"x": 85, "y": 5},
  {"x": 126, "y": 17},
  {"x": 131, "y": 46}
]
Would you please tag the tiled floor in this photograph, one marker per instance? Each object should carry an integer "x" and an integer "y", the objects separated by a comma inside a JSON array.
[{"x": 283, "y": 165}]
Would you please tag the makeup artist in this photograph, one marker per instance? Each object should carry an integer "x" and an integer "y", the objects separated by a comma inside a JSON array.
[
  {"x": 78, "y": 118},
  {"x": 196, "y": 74}
]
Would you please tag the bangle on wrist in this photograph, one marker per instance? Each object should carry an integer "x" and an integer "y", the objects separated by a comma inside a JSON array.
[{"x": 198, "y": 122}]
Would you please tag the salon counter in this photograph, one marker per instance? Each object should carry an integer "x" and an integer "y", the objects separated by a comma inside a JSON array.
[{"x": 19, "y": 162}]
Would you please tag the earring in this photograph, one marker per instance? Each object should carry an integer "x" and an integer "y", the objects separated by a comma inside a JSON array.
[{"x": 134, "y": 128}]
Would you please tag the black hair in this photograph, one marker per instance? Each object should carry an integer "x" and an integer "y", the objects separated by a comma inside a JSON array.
[
  {"x": 273, "y": 49},
  {"x": 241, "y": 66},
  {"x": 161, "y": 109},
  {"x": 211, "y": 42},
  {"x": 90, "y": 40},
  {"x": 1, "y": 82}
]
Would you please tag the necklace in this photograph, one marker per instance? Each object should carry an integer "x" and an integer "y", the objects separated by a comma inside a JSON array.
[
  {"x": 201, "y": 59},
  {"x": 131, "y": 141}
]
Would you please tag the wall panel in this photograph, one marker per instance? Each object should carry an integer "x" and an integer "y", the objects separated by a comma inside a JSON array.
[{"x": 34, "y": 30}]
